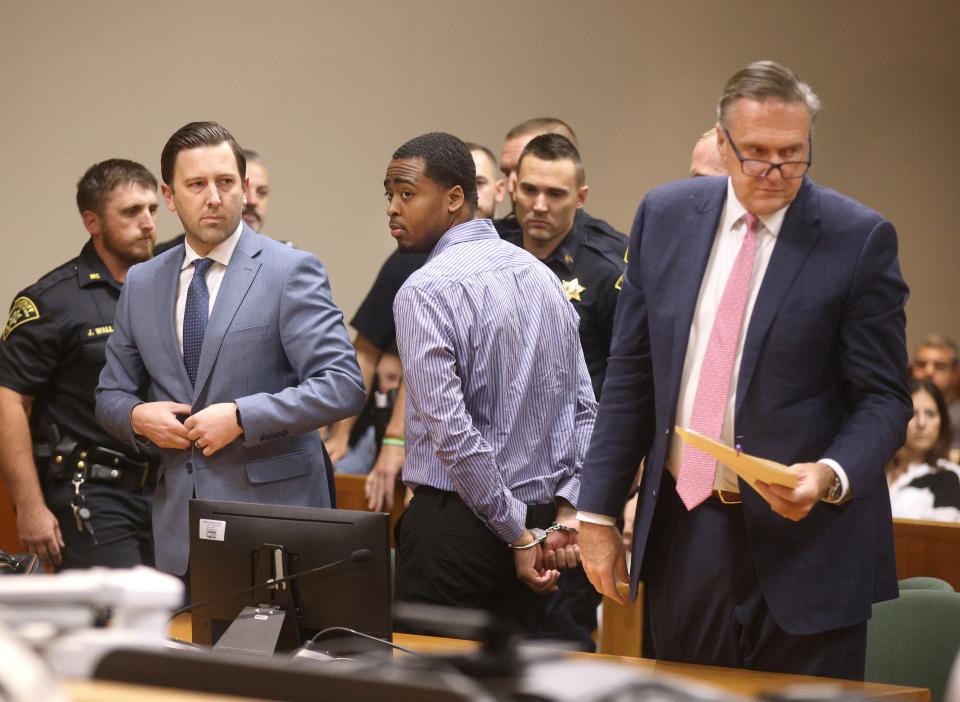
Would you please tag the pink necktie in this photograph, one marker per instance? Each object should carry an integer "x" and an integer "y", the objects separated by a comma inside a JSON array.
[{"x": 697, "y": 468}]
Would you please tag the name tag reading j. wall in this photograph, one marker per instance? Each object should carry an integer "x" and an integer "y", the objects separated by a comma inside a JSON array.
[{"x": 212, "y": 529}]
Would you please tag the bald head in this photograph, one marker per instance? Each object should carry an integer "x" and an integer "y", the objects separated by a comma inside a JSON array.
[
  {"x": 706, "y": 157},
  {"x": 522, "y": 134}
]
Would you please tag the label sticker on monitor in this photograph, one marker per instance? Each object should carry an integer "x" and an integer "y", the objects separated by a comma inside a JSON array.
[{"x": 212, "y": 529}]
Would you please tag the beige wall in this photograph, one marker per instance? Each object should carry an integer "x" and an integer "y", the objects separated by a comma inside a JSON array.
[{"x": 326, "y": 90}]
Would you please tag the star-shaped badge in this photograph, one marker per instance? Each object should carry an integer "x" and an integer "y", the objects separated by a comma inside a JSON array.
[{"x": 573, "y": 289}]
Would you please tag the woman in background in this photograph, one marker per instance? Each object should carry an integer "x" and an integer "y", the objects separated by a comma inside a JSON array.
[{"x": 923, "y": 483}]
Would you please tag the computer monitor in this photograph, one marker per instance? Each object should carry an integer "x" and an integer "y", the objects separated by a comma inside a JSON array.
[{"x": 234, "y": 545}]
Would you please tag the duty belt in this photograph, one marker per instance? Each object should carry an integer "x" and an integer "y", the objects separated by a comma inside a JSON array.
[{"x": 97, "y": 464}]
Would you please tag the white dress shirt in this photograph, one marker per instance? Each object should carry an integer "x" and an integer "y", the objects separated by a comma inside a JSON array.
[
  {"x": 731, "y": 232},
  {"x": 221, "y": 258}
]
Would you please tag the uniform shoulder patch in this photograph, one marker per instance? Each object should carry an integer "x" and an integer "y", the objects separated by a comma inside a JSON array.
[{"x": 22, "y": 310}]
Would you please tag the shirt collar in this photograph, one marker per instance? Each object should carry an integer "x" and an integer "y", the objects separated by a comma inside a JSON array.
[
  {"x": 566, "y": 252},
  {"x": 221, "y": 253},
  {"x": 472, "y": 230},
  {"x": 734, "y": 212},
  {"x": 91, "y": 270}
]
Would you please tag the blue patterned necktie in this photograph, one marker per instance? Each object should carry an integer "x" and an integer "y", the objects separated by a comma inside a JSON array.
[{"x": 195, "y": 317}]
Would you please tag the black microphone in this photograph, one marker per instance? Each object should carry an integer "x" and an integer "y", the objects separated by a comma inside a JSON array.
[{"x": 358, "y": 556}]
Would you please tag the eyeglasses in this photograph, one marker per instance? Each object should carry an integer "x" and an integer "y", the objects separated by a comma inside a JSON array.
[{"x": 755, "y": 168}]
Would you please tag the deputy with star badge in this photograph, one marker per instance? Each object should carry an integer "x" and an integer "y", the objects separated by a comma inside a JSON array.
[
  {"x": 81, "y": 497},
  {"x": 549, "y": 193},
  {"x": 548, "y": 198}
]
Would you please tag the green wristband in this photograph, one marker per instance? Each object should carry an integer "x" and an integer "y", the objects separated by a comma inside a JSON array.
[{"x": 391, "y": 441}]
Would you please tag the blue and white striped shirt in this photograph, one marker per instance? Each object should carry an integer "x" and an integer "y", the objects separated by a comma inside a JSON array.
[{"x": 499, "y": 402}]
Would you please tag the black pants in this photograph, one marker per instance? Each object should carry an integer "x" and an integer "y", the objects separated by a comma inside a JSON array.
[
  {"x": 447, "y": 556},
  {"x": 571, "y": 614},
  {"x": 121, "y": 524},
  {"x": 704, "y": 604}
]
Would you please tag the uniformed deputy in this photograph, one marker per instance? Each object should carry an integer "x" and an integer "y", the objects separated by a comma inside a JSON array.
[
  {"x": 548, "y": 195},
  {"x": 81, "y": 497},
  {"x": 598, "y": 232}
]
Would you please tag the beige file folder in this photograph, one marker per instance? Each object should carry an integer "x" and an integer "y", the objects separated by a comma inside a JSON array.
[{"x": 750, "y": 468}]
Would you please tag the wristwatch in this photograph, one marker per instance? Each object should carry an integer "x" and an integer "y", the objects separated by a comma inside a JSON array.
[
  {"x": 239, "y": 421},
  {"x": 835, "y": 491}
]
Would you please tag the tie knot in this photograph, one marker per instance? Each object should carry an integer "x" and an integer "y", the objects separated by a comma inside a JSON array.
[
  {"x": 751, "y": 220},
  {"x": 201, "y": 266}
]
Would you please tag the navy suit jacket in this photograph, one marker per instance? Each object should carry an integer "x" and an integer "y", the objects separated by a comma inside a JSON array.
[
  {"x": 275, "y": 344},
  {"x": 823, "y": 375}
]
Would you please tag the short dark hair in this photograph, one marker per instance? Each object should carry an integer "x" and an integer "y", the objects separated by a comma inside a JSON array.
[
  {"x": 447, "y": 161},
  {"x": 101, "y": 178},
  {"x": 941, "y": 447},
  {"x": 251, "y": 155},
  {"x": 763, "y": 80},
  {"x": 554, "y": 147},
  {"x": 542, "y": 125},
  {"x": 193, "y": 136}
]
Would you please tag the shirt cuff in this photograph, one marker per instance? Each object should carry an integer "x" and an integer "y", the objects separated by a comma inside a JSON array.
[
  {"x": 594, "y": 518},
  {"x": 844, "y": 480}
]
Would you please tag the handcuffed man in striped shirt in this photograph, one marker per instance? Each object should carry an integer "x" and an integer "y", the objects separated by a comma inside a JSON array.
[{"x": 500, "y": 407}]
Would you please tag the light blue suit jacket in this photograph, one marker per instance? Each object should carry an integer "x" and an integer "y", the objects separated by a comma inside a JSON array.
[{"x": 275, "y": 344}]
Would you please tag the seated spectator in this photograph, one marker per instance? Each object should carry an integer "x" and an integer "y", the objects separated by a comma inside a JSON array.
[
  {"x": 923, "y": 483},
  {"x": 936, "y": 359}
]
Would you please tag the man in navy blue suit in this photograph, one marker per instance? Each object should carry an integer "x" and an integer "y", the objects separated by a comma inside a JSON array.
[{"x": 766, "y": 312}]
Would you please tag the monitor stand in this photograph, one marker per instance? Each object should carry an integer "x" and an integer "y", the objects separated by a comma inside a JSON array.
[
  {"x": 263, "y": 629},
  {"x": 254, "y": 631}
]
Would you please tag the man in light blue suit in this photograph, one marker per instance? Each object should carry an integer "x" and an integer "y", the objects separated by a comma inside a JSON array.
[{"x": 227, "y": 353}]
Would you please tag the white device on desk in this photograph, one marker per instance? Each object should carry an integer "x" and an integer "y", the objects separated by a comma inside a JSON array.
[{"x": 74, "y": 618}]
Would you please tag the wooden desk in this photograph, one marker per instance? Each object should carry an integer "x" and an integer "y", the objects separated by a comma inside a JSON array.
[
  {"x": 102, "y": 691},
  {"x": 928, "y": 548},
  {"x": 750, "y": 683}
]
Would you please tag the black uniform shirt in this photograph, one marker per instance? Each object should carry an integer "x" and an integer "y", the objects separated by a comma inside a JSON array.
[
  {"x": 374, "y": 318},
  {"x": 53, "y": 347},
  {"x": 591, "y": 279},
  {"x": 601, "y": 235}
]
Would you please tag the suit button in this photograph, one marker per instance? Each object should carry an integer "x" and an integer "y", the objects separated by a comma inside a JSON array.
[{"x": 189, "y": 467}]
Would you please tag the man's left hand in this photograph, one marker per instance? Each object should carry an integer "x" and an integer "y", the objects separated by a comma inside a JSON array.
[
  {"x": 813, "y": 481},
  {"x": 213, "y": 427},
  {"x": 561, "y": 548}
]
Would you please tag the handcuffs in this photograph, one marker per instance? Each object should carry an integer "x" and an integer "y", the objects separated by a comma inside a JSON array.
[{"x": 540, "y": 535}]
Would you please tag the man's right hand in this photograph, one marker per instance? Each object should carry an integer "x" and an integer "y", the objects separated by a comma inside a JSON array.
[
  {"x": 604, "y": 558},
  {"x": 39, "y": 533},
  {"x": 158, "y": 422}
]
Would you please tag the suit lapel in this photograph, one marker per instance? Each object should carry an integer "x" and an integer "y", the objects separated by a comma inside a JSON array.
[
  {"x": 798, "y": 234},
  {"x": 691, "y": 263},
  {"x": 233, "y": 288},
  {"x": 165, "y": 301}
]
